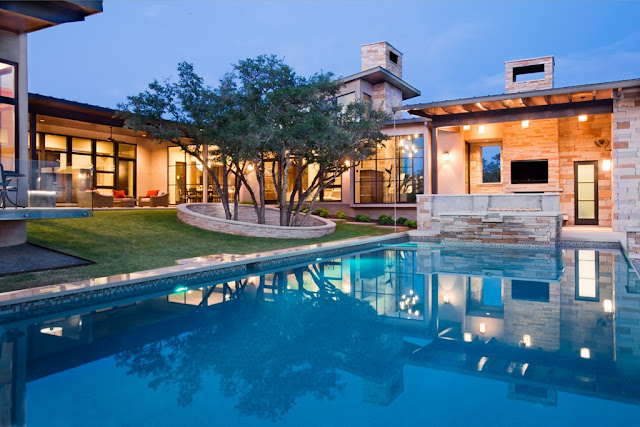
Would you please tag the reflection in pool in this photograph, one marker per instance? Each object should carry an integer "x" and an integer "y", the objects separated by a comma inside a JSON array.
[{"x": 413, "y": 334}]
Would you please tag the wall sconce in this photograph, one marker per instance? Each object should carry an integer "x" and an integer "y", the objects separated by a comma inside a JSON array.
[
  {"x": 467, "y": 337},
  {"x": 606, "y": 165},
  {"x": 483, "y": 328},
  {"x": 446, "y": 157},
  {"x": 347, "y": 163},
  {"x": 481, "y": 129},
  {"x": 525, "y": 124},
  {"x": 582, "y": 118},
  {"x": 608, "y": 306},
  {"x": 250, "y": 167},
  {"x": 466, "y": 127},
  {"x": 446, "y": 299},
  {"x": 585, "y": 353},
  {"x": 526, "y": 340}
]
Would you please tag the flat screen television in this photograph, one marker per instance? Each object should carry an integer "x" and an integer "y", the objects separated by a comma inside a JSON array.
[{"x": 529, "y": 171}]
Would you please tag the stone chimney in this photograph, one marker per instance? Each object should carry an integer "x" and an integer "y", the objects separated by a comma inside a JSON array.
[
  {"x": 527, "y": 75},
  {"x": 381, "y": 54}
]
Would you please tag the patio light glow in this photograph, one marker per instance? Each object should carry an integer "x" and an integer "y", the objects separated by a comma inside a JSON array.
[
  {"x": 466, "y": 127},
  {"x": 446, "y": 299},
  {"x": 467, "y": 337},
  {"x": 526, "y": 340},
  {"x": 606, "y": 165},
  {"x": 481, "y": 129},
  {"x": 347, "y": 163},
  {"x": 608, "y": 306},
  {"x": 582, "y": 118},
  {"x": 446, "y": 157},
  {"x": 525, "y": 124},
  {"x": 585, "y": 353},
  {"x": 483, "y": 328}
]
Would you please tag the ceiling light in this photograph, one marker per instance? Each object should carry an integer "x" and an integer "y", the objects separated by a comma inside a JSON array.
[
  {"x": 525, "y": 124},
  {"x": 466, "y": 127},
  {"x": 582, "y": 118},
  {"x": 481, "y": 129}
]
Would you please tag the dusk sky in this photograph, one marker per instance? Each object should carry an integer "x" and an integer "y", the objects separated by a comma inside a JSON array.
[{"x": 451, "y": 49}]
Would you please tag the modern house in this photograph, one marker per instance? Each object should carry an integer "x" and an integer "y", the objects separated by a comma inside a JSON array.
[{"x": 17, "y": 19}]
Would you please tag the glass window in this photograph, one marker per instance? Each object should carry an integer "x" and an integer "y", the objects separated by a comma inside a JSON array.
[
  {"x": 105, "y": 164},
  {"x": 81, "y": 145},
  {"x": 347, "y": 99},
  {"x": 104, "y": 148},
  {"x": 7, "y": 80},
  {"x": 394, "y": 174},
  {"x": 587, "y": 275},
  {"x": 105, "y": 179},
  {"x": 7, "y": 135},
  {"x": 55, "y": 142},
  {"x": 127, "y": 150},
  {"x": 491, "y": 163}
]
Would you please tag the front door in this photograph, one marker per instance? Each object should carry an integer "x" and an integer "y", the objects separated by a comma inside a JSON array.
[{"x": 586, "y": 191}]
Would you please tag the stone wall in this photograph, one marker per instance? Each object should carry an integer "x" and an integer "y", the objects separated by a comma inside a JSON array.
[
  {"x": 385, "y": 97},
  {"x": 521, "y": 229},
  {"x": 626, "y": 158},
  {"x": 633, "y": 243},
  {"x": 511, "y": 86},
  {"x": 210, "y": 216},
  {"x": 378, "y": 55}
]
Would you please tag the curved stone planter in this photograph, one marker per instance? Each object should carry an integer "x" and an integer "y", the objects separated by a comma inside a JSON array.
[{"x": 210, "y": 216}]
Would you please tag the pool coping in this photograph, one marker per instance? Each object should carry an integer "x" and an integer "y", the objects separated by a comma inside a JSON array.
[{"x": 197, "y": 269}]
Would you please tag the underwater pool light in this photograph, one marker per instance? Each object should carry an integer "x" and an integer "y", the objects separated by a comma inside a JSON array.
[{"x": 180, "y": 289}]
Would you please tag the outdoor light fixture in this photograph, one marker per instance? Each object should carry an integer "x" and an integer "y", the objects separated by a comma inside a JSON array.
[
  {"x": 52, "y": 330},
  {"x": 446, "y": 157},
  {"x": 582, "y": 118},
  {"x": 483, "y": 328},
  {"x": 526, "y": 340},
  {"x": 347, "y": 163},
  {"x": 467, "y": 337},
  {"x": 199, "y": 165},
  {"x": 446, "y": 299},
  {"x": 606, "y": 165},
  {"x": 608, "y": 306},
  {"x": 585, "y": 353},
  {"x": 416, "y": 136},
  {"x": 466, "y": 127},
  {"x": 525, "y": 124},
  {"x": 250, "y": 167},
  {"x": 481, "y": 129}
]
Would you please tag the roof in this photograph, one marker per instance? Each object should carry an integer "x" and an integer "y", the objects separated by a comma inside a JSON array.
[
  {"x": 27, "y": 16},
  {"x": 378, "y": 75},
  {"x": 63, "y": 108},
  {"x": 563, "y": 95}
]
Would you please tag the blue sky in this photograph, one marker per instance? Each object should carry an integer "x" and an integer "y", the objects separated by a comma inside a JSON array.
[{"x": 451, "y": 49}]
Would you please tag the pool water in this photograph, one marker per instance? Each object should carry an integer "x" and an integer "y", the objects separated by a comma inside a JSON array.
[{"x": 417, "y": 334}]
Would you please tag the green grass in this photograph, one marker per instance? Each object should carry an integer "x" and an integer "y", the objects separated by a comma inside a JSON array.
[{"x": 126, "y": 241}]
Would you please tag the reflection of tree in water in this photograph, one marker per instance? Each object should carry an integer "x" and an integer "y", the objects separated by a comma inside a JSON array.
[{"x": 268, "y": 354}]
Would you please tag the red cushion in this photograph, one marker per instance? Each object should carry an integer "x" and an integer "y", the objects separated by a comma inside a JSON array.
[
  {"x": 119, "y": 194},
  {"x": 152, "y": 193}
]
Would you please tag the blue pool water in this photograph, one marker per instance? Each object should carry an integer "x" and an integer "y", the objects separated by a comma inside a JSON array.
[{"x": 414, "y": 334}]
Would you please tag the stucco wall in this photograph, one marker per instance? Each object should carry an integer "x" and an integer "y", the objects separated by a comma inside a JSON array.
[{"x": 451, "y": 173}]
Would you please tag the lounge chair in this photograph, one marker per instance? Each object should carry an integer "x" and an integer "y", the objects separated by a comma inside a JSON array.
[
  {"x": 92, "y": 198},
  {"x": 162, "y": 199}
]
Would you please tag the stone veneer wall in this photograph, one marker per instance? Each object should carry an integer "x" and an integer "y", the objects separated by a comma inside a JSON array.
[
  {"x": 633, "y": 243},
  {"x": 511, "y": 86},
  {"x": 626, "y": 158},
  {"x": 562, "y": 141},
  {"x": 385, "y": 97},
  {"x": 210, "y": 216},
  {"x": 377, "y": 55},
  {"x": 521, "y": 229}
]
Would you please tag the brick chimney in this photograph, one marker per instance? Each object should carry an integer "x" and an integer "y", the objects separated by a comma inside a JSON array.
[
  {"x": 525, "y": 75},
  {"x": 381, "y": 54}
]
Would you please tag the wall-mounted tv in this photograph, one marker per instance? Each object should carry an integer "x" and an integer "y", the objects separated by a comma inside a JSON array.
[{"x": 529, "y": 171}]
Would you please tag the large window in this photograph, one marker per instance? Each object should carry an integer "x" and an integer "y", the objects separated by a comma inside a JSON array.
[
  {"x": 394, "y": 174},
  {"x": 491, "y": 163},
  {"x": 8, "y": 116}
]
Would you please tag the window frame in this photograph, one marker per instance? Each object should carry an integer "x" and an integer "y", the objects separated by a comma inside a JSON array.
[{"x": 16, "y": 115}]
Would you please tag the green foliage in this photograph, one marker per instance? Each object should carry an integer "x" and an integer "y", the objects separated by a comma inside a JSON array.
[
  {"x": 341, "y": 215},
  {"x": 304, "y": 209},
  {"x": 385, "y": 220},
  {"x": 401, "y": 220},
  {"x": 322, "y": 213},
  {"x": 411, "y": 224},
  {"x": 363, "y": 218}
]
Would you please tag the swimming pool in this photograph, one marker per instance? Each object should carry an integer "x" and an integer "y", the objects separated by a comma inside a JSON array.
[{"x": 401, "y": 334}]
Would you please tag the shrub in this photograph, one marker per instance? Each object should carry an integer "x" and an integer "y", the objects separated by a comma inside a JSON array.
[
  {"x": 385, "y": 220},
  {"x": 411, "y": 224},
  {"x": 341, "y": 215},
  {"x": 401, "y": 220},
  {"x": 363, "y": 218},
  {"x": 304, "y": 210},
  {"x": 322, "y": 212}
]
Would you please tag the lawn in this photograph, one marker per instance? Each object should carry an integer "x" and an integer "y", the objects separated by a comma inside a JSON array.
[{"x": 126, "y": 241}]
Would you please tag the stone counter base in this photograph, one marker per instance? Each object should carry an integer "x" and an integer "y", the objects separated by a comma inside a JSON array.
[{"x": 501, "y": 229}]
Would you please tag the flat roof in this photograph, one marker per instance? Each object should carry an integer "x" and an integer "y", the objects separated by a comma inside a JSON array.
[
  {"x": 378, "y": 75},
  {"x": 63, "y": 108},
  {"x": 562, "y": 95},
  {"x": 27, "y": 16}
]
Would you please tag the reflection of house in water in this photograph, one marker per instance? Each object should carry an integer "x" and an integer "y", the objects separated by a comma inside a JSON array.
[{"x": 542, "y": 323}]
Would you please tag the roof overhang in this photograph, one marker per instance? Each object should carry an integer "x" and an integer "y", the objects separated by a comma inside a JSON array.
[
  {"x": 27, "y": 16},
  {"x": 573, "y": 96},
  {"x": 64, "y": 109},
  {"x": 378, "y": 75}
]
